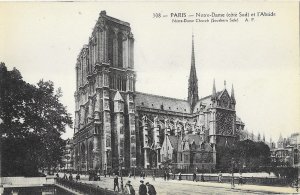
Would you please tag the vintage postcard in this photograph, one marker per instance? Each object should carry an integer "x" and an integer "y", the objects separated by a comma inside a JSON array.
[{"x": 137, "y": 97}]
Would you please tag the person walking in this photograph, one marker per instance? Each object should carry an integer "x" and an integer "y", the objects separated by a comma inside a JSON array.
[
  {"x": 151, "y": 189},
  {"x": 220, "y": 177},
  {"x": 116, "y": 183},
  {"x": 77, "y": 177},
  {"x": 142, "y": 188},
  {"x": 240, "y": 179},
  {"x": 165, "y": 175},
  {"x": 129, "y": 189},
  {"x": 202, "y": 177},
  {"x": 70, "y": 177},
  {"x": 179, "y": 176},
  {"x": 194, "y": 176}
]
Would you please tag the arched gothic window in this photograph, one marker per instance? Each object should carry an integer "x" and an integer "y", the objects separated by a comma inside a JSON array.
[{"x": 120, "y": 50}]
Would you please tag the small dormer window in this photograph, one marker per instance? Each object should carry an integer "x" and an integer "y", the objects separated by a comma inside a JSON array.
[
  {"x": 170, "y": 108},
  {"x": 162, "y": 107},
  {"x": 143, "y": 103},
  {"x": 152, "y": 104}
]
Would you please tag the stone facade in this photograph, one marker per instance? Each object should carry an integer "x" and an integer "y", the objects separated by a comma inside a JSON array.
[
  {"x": 191, "y": 152},
  {"x": 116, "y": 126},
  {"x": 287, "y": 151}
]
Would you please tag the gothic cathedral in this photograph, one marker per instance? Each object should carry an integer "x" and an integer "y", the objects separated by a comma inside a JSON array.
[{"x": 117, "y": 126}]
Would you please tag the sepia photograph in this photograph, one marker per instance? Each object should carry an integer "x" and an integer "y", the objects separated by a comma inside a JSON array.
[{"x": 136, "y": 97}]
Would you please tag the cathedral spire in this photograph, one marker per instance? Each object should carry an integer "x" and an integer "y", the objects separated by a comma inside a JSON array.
[
  {"x": 193, "y": 81},
  {"x": 232, "y": 95},
  {"x": 214, "y": 93}
]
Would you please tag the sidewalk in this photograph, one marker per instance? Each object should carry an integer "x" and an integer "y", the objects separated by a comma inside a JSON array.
[
  {"x": 245, "y": 187},
  {"x": 107, "y": 182}
]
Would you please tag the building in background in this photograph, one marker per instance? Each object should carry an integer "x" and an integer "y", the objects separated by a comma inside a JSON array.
[
  {"x": 67, "y": 159},
  {"x": 119, "y": 127},
  {"x": 287, "y": 151}
]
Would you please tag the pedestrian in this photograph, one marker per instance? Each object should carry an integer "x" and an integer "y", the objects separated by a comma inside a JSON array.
[
  {"x": 151, "y": 189},
  {"x": 129, "y": 189},
  {"x": 77, "y": 177},
  {"x": 116, "y": 183},
  {"x": 220, "y": 177},
  {"x": 240, "y": 179},
  {"x": 65, "y": 176},
  {"x": 194, "y": 176},
  {"x": 168, "y": 176},
  {"x": 202, "y": 177},
  {"x": 165, "y": 175},
  {"x": 142, "y": 188},
  {"x": 179, "y": 176},
  {"x": 70, "y": 177}
]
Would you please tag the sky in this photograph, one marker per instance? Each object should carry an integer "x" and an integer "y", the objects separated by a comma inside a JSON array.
[{"x": 259, "y": 57}]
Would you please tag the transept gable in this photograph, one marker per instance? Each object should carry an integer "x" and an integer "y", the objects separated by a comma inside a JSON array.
[{"x": 224, "y": 99}]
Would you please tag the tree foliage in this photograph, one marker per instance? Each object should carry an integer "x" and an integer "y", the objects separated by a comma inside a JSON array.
[
  {"x": 32, "y": 120},
  {"x": 243, "y": 155}
]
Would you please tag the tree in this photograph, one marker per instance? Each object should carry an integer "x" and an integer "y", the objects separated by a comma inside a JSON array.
[
  {"x": 33, "y": 120},
  {"x": 246, "y": 154},
  {"x": 166, "y": 164}
]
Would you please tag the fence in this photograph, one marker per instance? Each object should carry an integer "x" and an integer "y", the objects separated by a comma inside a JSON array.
[
  {"x": 227, "y": 179},
  {"x": 85, "y": 188},
  {"x": 26, "y": 181}
]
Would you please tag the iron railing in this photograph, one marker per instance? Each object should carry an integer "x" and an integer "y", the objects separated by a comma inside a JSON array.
[{"x": 85, "y": 188}]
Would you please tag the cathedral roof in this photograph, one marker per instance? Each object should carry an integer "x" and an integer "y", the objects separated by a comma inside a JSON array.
[
  {"x": 238, "y": 120},
  {"x": 205, "y": 101},
  {"x": 162, "y": 103},
  {"x": 190, "y": 138}
]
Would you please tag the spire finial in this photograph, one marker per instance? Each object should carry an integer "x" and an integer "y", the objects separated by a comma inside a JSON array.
[
  {"x": 213, "y": 96},
  {"x": 232, "y": 95},
  {"x": 224, "y": 84}
]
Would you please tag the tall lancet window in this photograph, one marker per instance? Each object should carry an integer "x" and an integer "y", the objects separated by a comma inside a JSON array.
[
  {"x": 110, "y": 46},
  {"x": 120, "y": 50}
]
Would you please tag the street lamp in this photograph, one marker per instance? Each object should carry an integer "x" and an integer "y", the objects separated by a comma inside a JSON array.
[
  {"x": 120, "y": 168},
  {"x": 134, "y": 172},
  {"x": 232, "y": 166}
]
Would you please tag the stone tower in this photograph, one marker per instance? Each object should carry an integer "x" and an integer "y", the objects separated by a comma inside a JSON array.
[{"x": 104, "y": 132}]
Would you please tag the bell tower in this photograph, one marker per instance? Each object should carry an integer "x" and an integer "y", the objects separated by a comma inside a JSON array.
[{"x": 104, "y": 97}]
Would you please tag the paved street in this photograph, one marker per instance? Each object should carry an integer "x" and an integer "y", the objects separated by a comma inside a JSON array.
[{"x": 176, "y": 187}]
